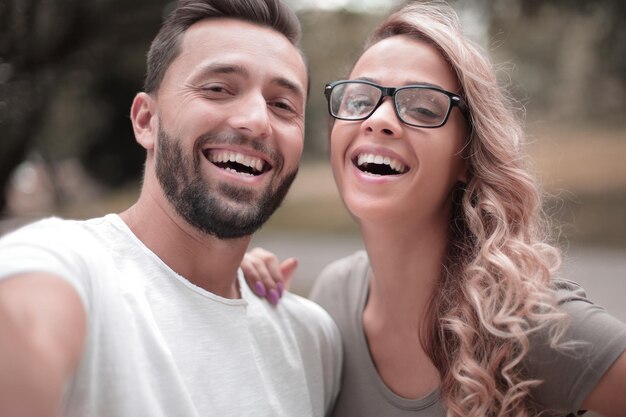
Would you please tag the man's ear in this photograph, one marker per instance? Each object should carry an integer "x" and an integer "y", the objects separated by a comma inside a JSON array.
[{"x": 144, "y": 118}]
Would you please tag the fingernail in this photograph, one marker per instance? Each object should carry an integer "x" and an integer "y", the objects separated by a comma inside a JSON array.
[
  {"x": 259, "y": 289},
  {"x": 281, "y": 288},
  {"x": 272, "y": 296}
]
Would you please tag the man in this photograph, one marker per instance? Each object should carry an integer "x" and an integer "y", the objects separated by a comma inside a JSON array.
[{"x": 144, "y": 313}]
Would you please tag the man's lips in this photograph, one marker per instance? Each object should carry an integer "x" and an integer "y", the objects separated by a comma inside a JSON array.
[{"x": 237, "y": 162}]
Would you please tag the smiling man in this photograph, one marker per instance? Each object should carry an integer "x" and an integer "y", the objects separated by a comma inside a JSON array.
[{"x": 145, "y": 312}]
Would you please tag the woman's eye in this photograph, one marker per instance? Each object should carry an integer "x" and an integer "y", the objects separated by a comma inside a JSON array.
[
  {"x": 358, "y": 105},
  {"x": 423, "y": 111}
]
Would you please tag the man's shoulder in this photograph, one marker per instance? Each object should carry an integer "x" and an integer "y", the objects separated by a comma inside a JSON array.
[
  {"x": 40, "y": 224},
  {"x": 63, "y": 247},
  {"x": 54, "y": 228},
  {"x": 312, "y": 327},
  {"x": 52, "y": 233},
  {"x": 303, "y": 311}
]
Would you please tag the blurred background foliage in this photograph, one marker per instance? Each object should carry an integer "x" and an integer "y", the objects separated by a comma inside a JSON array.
[{"x": 70, "y": 68}]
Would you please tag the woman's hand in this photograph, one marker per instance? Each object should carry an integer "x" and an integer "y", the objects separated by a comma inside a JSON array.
[{"x": 268, "y": 277}]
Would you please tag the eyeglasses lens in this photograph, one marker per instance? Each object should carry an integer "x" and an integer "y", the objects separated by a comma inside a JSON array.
[
  {"x": 354, "y": 100},
  {"x": 422, "y": 106}
]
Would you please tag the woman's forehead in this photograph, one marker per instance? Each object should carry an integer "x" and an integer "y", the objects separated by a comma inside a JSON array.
[{"x": 402, "y": 60}]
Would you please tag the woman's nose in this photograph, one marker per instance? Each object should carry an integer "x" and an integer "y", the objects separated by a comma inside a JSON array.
[{"x": 384, "y": 121}]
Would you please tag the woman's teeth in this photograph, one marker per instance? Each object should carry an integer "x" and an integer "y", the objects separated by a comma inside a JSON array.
[{"x": 379, "y": 165}]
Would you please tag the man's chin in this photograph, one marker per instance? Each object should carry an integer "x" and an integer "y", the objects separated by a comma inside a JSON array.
[
  {"x": 233, "y": 226},
  {"x": 227, "y": 211}
]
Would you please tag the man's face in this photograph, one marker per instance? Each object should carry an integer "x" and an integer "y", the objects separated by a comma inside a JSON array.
[{"x": 231, "y": 125}]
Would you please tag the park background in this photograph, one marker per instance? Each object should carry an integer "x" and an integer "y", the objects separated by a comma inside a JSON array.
[{"x": 69, "y": 70}]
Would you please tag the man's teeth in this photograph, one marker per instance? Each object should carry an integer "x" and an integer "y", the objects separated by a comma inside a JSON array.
[
  {"x": 234, "y": 171},
  {"x": 225, "y": 157},
  {"x": 365, "y": 159}
]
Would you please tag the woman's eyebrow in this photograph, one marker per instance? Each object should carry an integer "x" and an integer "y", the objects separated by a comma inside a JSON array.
[{"x": 407, "y": 82}]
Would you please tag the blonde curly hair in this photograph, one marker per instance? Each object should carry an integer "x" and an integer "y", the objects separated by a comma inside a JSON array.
[{"x": 496, "y": 288}]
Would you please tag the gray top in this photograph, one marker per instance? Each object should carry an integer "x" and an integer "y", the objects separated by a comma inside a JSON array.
[{"x": 569, "y": 376}]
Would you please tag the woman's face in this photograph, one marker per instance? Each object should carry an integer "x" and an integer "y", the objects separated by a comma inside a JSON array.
[{"x": 426, "y": 163}]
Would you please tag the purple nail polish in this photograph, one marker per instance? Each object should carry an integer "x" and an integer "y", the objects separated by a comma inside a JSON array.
[
  {"x": 272, "y": 296},
  {"x": 259, "y": 289},
  {"x": 281, "y": 288}
]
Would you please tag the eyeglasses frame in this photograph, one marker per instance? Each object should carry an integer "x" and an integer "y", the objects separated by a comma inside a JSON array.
[{"x": 455, "y": 100}]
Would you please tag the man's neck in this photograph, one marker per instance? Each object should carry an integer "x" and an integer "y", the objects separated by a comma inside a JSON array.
[{"x": 204, "y": 260}]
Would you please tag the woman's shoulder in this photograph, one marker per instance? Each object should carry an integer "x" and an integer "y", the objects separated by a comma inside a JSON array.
[
  {"x": 569, "y": 366},
  {"x": 342, "y": 280},
  {"x": 344, "y": 272},
  {"x": 566, "y": 291}
]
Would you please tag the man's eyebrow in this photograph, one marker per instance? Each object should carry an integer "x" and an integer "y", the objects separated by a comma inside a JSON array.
[
  {"x": 220, "y": 68},
  {"x": 290, "y": 85}
]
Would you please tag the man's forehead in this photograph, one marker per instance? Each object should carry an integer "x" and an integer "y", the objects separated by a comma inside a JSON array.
[{"x": 241, "y": 47}]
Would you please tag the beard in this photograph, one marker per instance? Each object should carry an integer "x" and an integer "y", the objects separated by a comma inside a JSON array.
[{"x": 206, "y": 207}]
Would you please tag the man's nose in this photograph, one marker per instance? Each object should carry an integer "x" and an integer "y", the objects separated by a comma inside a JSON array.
[{"x": 251, "y": 116}]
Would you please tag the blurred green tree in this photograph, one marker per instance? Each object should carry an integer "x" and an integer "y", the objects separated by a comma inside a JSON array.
[
  {"x": 69, "y": 69},
  {"x": 50, "y": 47}
]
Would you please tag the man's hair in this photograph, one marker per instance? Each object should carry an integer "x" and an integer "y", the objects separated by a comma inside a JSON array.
[{"x": 166, "y": 45}]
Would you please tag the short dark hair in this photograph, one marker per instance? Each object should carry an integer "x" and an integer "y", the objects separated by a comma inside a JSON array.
[{"x": 166, "y": 45}]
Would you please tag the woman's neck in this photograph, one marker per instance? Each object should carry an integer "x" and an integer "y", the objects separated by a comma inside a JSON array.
[
  {"x": 406, "y": 268},
  {"x": 407, "y": 264}
]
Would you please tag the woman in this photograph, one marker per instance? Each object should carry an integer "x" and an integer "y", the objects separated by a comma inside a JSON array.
[{"x": 456, "y": 308}]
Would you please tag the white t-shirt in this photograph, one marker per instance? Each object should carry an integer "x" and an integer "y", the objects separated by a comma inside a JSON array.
[{"x": 158, "y": 345}]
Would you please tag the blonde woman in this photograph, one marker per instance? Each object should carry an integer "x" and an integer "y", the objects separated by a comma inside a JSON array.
[{"x": 456, "y": 307}]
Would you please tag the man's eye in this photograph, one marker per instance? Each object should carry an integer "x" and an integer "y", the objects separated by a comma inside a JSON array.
[
  {"x": 216, "y": 90},
  {"x": 283, "y": 107}
]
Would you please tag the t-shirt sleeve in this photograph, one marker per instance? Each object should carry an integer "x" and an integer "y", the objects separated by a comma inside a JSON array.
[
  {"x": 53, "y": 246},
  {"x": 320, "y": 348},
  {"x": 592, "y": 341},
  {"x": 332, "y": 354}
]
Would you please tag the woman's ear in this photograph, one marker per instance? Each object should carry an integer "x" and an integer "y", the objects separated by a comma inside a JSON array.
[
  {"x": 464, "y": 152},
  {"x": 463, "y": 176},
  {"x": 144, "y": 119}
]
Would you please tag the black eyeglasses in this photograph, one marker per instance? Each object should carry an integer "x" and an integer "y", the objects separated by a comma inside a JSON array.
[{"x": 416, "y": 105}]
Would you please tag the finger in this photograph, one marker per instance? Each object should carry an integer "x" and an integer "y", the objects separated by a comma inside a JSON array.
[
  {"x": 266, "y": 278},
  {"x": 268, "y": 269},
  {"x": 255, "y": 266},
  {"x": 288, "y": 268},
  {"x": 252, "y": 276}
]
